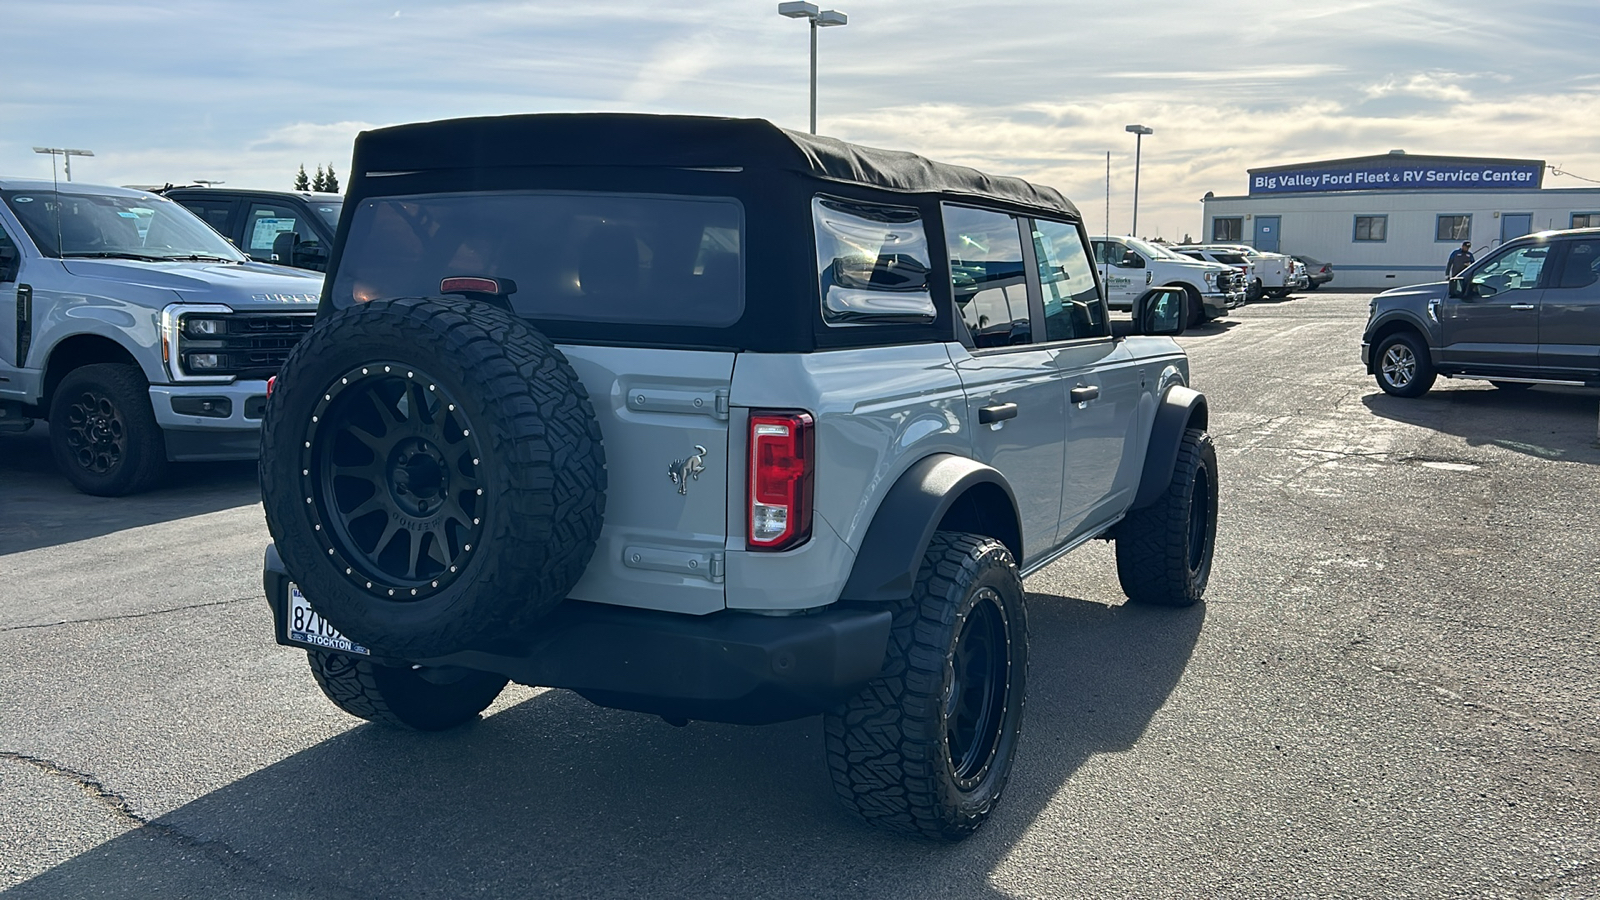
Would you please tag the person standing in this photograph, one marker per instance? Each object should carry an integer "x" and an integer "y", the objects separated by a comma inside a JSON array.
[{"x": 1459, "y": 260}]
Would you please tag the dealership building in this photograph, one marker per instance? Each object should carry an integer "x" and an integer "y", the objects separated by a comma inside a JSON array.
[{"x": 1392, "y": 220}]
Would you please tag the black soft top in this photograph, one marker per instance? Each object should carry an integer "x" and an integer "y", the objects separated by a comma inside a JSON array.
[{"x": 690, "y": 142}]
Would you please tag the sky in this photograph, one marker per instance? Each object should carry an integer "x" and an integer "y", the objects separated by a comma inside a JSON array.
[{"x": 246, "y": 92}]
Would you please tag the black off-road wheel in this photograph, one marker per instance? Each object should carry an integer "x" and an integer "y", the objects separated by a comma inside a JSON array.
[
  {"x": 926, "y": 749},
  {"x": 1403, "y": 367},
  {"x": 103, "y": 432},
  {"x": 1164, "y": 550},
  {"x": 404, "y": 696},
  {"x": 432, "y": 472}
]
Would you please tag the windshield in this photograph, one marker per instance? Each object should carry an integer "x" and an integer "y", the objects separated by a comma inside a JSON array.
[
  {"x": 329, "y": 212},
  {"x": 130, "y": 227}
]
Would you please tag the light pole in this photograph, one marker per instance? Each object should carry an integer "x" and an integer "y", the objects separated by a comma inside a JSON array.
[
  {"x": 65, "y": 154},
  {"x": 819, "y": 18},
  {"x": 1138, "y": 132}
]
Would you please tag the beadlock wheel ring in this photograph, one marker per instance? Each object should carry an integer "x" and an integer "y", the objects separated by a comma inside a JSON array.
[{"x": 392, "y": 478}]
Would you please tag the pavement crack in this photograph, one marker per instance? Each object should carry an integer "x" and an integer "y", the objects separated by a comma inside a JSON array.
[
  {"x": 137, "y": 615},
  {"x": 218, "y": 851},
  {"x": 95, "y": 789}
]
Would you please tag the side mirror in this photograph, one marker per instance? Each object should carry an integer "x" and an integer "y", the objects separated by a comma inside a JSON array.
[
  {"x": 1161, "y": 311},
  {"x": 1132, "y": 260},
  {"x": 283, "y": 247},
  {"x": 309, "y": 255},
  {"x": 10, "y": 262},
  {"x": 1460, "y": 288}
]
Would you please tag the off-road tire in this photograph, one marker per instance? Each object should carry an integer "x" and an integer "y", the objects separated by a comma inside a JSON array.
[
  {"x": 1164, "y": 551},
  {"x": 103, "y": 433},
  {"x": 402, "y": 696},
  {"x": 889, "y": 748},
  {"x": 1393, "y": 375},
  {"x": 517, "y": 473}
]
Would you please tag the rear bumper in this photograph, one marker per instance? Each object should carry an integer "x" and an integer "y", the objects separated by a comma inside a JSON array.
[{"x": 729, "y": 666}]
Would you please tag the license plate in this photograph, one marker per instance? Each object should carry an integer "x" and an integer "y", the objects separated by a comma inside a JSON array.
[{"x": 305, "y": 625}]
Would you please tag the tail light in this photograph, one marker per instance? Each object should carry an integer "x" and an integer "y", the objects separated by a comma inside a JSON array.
[{"x": 782, "y": 464}]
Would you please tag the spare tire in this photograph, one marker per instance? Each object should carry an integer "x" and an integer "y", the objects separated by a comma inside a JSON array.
[{"x": 432, "y": 472}]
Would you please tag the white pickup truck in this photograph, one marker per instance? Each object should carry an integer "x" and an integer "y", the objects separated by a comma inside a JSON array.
[
  {"x": 1132, "y": 266},
  {"x": 1274, "y": 271}
]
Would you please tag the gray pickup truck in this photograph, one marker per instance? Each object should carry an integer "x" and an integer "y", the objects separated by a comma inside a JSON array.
[
  {"x": 1527, "y": 313},
  {"x": 712, "y": 420},
  {"x": 138, "y": 333}
]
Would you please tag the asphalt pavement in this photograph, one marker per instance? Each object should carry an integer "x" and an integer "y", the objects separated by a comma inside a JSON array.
[{"x": 1391, "y": 690}]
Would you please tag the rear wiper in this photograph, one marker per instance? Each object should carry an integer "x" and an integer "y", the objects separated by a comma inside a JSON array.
[{"x": 110, "y": 254}]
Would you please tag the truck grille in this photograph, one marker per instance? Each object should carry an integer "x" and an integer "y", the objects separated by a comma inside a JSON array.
[{"x": 239, "y": 345}]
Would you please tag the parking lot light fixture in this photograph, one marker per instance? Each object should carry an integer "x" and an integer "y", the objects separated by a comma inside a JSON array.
[
  {"x": 1138, "y": 132},
  {"x": 819, "y": 18},
  {"x": 65, "y": 153}
]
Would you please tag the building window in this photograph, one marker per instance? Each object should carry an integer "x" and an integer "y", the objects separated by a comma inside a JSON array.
[
  {"x": 1372, "y": 228},
  {"x": 1453, "y": 228},
  {"x": 1586, "y": 220},
  {"x": 1229, "y": 230}
]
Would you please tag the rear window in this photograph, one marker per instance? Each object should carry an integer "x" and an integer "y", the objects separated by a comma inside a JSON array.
[{"x": 587, "y": 257}]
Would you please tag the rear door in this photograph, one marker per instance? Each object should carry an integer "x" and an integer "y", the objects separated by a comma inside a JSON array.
[
  {"x": 1016, "y": 401},
  {"x": 1098, "y": 374},
  {"x": 664, "y": 416},
  {"x": 1569, "y": 313},
  {"x": 1497, "y": 327}
]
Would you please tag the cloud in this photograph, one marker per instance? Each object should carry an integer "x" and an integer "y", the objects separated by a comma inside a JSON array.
[
  {"x": 672, "y": 65},
  {"x": 1426, "y": 85}
]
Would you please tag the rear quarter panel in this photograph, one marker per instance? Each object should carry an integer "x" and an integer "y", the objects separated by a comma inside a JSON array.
[{"x": 878, "y": 410}]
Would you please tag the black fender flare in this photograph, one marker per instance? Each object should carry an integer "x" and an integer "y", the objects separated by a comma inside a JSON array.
[
  {"x": 1180, "y": 408},
  {"x": 891, "y": 553}
]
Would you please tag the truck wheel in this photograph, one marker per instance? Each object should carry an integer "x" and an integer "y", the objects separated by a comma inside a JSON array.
[
  {"x": 927, "y": 747},
  {"x": 1404, "y": 368},
  {"x": 103, "y": 432},
  {"x": 431, "y": 472},
  {"x": 1164, "y": 550},
  {"x": 404, "y": 697}
]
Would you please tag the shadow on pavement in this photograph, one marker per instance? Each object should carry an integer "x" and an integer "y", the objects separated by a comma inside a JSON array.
[
  {"x": 40, "y": 508},
  {"x": 554, "y": 797},
  {"x": 1550, "y": 422}
]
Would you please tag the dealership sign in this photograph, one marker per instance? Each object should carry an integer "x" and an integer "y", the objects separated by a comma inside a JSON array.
[{"x": 1399, "y": 174}]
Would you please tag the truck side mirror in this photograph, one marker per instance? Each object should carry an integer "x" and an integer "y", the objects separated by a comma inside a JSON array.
[
  {"x": 1161, "y": 311},
  {"x": 1461, "y": 288},
  {"x": 283, "y": 247},
  {"x": 1132, "y": 260},
  {"x": 309, "y": 255}
]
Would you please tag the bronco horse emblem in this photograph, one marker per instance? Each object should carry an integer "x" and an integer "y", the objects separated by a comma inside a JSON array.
[{"x": 682, "y": 470}]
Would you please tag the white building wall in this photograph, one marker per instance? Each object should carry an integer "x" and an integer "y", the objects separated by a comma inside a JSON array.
[{"x": 1322, "y": 226}]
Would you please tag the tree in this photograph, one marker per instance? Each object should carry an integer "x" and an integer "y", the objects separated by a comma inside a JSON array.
[
  {"x": 320, "y": 181},
  {"x": 331, "y": 183},
  {"x": 301, "y": 182}
]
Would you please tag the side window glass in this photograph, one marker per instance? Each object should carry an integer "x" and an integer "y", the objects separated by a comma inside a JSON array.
[
  {"x": 1515, "y": 270},
  {"x": 872, "y": 261},
  {"x": 1072, "y": 305},
  {"x": 1112, "y": 252},
  {"x": 213, "y": 212},
  {"x": 986, "y": 275},
  {"x": 10, "y": 256},
  {"x": 262, "y": 226},
  {"x": 1582, "y": 268}
]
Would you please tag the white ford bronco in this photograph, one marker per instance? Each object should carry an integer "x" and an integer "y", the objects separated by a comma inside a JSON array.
[{"x": 712, "y": 420}]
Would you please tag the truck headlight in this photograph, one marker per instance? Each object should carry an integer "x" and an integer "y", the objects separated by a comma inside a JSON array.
[{"x": 204, "y": 327}]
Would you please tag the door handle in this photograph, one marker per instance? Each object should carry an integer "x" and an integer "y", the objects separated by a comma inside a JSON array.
[
  {"x": 989, "y": 415},
  {"x": 1083, "y": 393},
  {"x": 1522, "y": 306}
]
